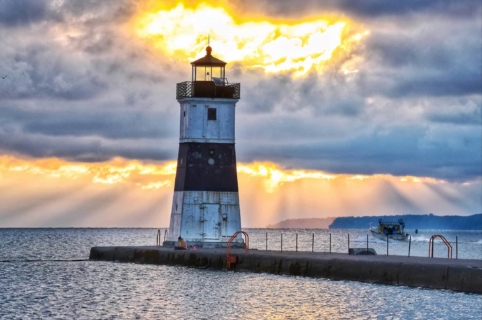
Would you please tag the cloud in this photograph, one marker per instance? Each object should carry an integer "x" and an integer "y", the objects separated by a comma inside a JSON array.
[
  {"x": 439, "y": 59},
  {"x": 369, "y": 9},
  {"x": 338, "y": 145},
  {"x": 21, "y": 12},
  {"x": 127, "y": 123},
  {"x": 403, "y": 99},
  {"x": 375, "y": 8},
  {"x": 84, "y": 149},
  {"x": 467, "y": 113},
  {"x": 47, "y": 75}
]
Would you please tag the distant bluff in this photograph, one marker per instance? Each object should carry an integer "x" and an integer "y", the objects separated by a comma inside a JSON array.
[
  {"x": 308, "y": 223},
  {"x": 427, "y": 221}
]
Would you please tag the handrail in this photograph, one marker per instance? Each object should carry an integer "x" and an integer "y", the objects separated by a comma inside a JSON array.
[
  {"x": 158, "y": 237},
  {"x": 207, "y": 89},
  {"x": 431, "y": 242},
  {"x": 231, "y": 260}
]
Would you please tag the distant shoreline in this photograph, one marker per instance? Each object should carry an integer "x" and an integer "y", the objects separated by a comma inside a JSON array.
[
  {"x": 308, "y": 223},
  {"x": 421, "y": 222}
]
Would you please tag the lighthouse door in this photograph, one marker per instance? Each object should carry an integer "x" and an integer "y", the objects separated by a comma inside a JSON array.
[{"x": 211, "y": 221}]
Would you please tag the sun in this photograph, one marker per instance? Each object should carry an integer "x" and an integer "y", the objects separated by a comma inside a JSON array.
[{"x": 273, "y": 46}]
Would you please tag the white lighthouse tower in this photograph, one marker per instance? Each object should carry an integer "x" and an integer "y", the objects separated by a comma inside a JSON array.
[{"x": 205, "y": 206}]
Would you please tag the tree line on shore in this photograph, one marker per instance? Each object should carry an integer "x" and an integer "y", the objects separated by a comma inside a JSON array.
[{"x": 412, "y": 221}]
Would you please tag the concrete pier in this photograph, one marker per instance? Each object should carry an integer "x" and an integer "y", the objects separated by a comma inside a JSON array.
[{"x": 435, "y": 273}]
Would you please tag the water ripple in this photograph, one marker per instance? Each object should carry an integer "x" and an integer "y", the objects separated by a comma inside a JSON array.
[
  {"x": 51, "y": 289},
  {"x": 91, "y": 289}
]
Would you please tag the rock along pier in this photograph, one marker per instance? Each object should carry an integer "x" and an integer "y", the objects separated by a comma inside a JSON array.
[{"x": 435, "y": 273}]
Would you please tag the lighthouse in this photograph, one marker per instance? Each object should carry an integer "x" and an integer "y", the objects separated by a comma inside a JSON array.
[{"x": 205, "y": 207}]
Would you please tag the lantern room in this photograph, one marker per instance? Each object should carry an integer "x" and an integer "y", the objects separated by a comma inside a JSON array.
[
  {"x": 208, "y": 80},
  {"x": 208, "y": 68}
]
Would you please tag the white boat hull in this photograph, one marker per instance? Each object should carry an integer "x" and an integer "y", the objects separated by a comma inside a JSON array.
[{"x": 379, "y": 235}]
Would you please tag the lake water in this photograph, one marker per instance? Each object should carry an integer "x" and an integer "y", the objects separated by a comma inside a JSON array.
[{"x": 35, "y": 285}]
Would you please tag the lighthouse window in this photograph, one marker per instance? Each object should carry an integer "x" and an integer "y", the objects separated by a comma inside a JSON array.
[{"x": 211, "y": 113}]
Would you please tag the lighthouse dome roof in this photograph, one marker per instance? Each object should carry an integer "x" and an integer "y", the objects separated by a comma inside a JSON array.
[{"x": 208, "y": 60}]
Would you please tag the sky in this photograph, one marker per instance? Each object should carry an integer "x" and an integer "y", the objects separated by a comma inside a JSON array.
[{"x": 348, "y": 108}]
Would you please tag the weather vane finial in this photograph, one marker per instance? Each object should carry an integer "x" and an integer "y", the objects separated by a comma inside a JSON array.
[{"x": 208, "y": 48}]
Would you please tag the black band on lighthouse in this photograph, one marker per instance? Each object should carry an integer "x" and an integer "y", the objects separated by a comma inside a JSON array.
[{"x": 206, "y": 167}]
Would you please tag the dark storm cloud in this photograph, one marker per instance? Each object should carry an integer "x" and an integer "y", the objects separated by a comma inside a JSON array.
[
  {"x": 265, "y": 94},
  {"x": 90, "y": 149},
  {"x": 463, "y": 112},
  {"x": 14, "y": 13},
  {"x": 88, "y": 94},
  {"x": 440, "y": 60},
  {"x": 19, "y": 12},
  {"x": 39, "y": 71},
  {"x": 97, "y": 12},
  {"x": 451, "y": 84},
  {"x": 331, "y": 94},
  {"x": 79, "y": 67},
  {"x": 374, "y": 8},
  {"x": 125, "y": 124},
  {"x": 474, "y": 118},
  {"x": 326, "y": 94},
  {"x": 360, "y": 9},
  {"x": 401, "y": 152}
]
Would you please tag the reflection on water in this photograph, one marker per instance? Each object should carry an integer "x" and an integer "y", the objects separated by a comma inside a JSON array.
[{"x": 92, "y": 289}]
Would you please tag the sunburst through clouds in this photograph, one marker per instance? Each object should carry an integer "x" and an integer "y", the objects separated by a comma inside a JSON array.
[{"x": 299, "y": 47}]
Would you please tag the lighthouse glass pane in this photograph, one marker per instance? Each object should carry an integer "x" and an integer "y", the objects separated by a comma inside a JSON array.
[
  {"x": 216, "y": 73},
  {"x": 201, "y": 73}
]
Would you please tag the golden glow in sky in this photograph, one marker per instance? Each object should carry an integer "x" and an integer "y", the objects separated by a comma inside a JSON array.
[
  {"x": 275, "y": 47},
  {"x": 54, "y": 192},
  {"x": 156, "y": 176},
  {"x": 274, "y": 176},
  {"x": 145, "y": 176}
]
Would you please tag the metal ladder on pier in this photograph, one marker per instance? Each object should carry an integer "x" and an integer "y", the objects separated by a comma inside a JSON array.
[
  {"x": 231, "y": 260},
  {"x": 430, "y": 245}
]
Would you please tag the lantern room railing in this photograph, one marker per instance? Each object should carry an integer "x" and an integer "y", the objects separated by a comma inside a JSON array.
[{"x": 207, "y": 89}]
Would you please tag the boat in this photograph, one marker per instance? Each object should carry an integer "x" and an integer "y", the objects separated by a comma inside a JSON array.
[{"x": 392, "y": 229}]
